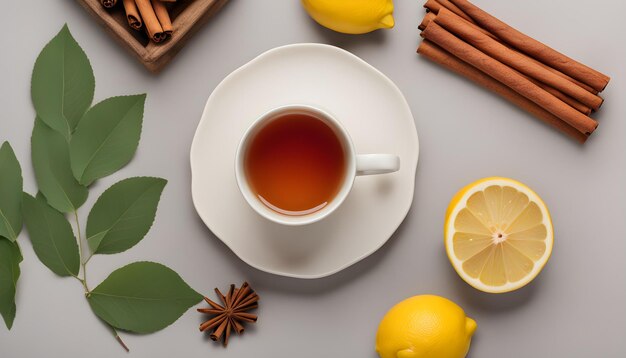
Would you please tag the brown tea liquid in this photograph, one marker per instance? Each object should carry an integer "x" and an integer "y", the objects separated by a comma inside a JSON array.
[{"x": 295, "y": 164}]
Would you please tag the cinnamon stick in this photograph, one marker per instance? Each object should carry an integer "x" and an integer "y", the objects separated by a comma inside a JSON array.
[
  {"x": 247, "y": 308},
  {"x": 239, "y": 328},
  {"x": 241, "y": 294},
  {"x": 430, "y": 16},
  {"x": 447, "y": 60},
  {"x": 108, "y": 3},
  {"x": 434, "y": 9},
  {"x": 155, "y": 31},
  {"x": 220, "y": 295},
  {"x": 526, "y": 44},
  {"x": 446, "y": 4},
  {"x": 213, "y": 304},
  {"x": 210, "y": 311},
  {"x": 132, "y": 14},
  {"x": 213, "y": 322},
  {"x": 563, "y": 97},
  {"x": 247, "y": 317},
  {"x": 435, "y": 5},
  {"x": 432, "y": 5},
  {"x": 555, "y": 71},
  {"x": 509, "y": 77},
  {"x": 219, "y": 331},
  {"x": 164, "y": 17},
  {"x": 514, "y": 59},
  {"x": 228, "y": 327},
  {"x": 229, "y": 296},
  {"x": 249, "y": 300}
]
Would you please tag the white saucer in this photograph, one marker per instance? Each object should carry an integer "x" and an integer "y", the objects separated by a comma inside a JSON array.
[{"x": 375, "y": 114}]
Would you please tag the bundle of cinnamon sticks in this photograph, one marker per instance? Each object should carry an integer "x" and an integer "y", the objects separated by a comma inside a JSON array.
[
  {"x": 149, "y": 15},
  {"x": 553, "y": 87}
]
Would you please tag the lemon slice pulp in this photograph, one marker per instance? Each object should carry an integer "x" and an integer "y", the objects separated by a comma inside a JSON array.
[{"x": 498, "y": 234}]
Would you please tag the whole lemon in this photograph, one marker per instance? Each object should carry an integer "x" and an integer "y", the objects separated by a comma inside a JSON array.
[
  {"x": 425, "y": 326},
  {"x": 351, "y": 16}
]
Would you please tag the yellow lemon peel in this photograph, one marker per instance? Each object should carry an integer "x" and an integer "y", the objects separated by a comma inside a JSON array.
[
  {"x": 351, "y": 16},
  {"x": 425, "y": 326}
]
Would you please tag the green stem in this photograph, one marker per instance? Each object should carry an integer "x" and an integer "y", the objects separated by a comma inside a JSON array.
[
  {"x": 84, "y": 283},
  {"x": 83, "y": 264},
  {"x": 87, "y": 290},
  {"x": 119, "y": 339}
]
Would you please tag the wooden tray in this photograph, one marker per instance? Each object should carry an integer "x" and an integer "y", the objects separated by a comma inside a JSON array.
[{"x": 187, "y": 17}]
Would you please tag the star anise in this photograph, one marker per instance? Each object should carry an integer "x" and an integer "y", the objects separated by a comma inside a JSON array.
[{"x": 232, "y": 313}]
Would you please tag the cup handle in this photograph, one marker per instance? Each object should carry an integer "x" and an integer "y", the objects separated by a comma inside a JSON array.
[{"x": 370, "y": 164}]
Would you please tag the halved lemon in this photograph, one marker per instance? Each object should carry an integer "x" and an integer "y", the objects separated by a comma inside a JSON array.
[{"x": 498, "y": 234}]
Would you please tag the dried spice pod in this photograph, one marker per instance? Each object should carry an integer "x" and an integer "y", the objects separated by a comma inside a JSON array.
[
  {"x": 163, "y": 16},
  {"x": 231, "y": 314},
  {"x": 108, "y": 3},
  {"x": 153, "y": 27},
  {"x": 132, "y": 14}
]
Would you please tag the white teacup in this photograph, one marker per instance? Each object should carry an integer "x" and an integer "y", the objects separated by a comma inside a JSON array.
[{"x": 355, "y": 165}]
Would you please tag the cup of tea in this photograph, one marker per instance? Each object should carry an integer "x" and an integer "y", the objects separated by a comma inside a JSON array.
[{"x": 296, "y": 164}]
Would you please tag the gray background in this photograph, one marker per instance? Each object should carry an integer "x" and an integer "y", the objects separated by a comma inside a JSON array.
[{"x": 575, "y": 308}]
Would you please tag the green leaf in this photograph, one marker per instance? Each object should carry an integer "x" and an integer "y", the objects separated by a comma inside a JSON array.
[
  {"x": 10, "y": 193},
  {"x": 143, "y": 297},
  {"x": 107, "y": 137},
  {"x": 41, "y": 197},
  {"x": 123, "y": 214},
  {"x": 51, "y": 161},
  {"x": 62, "y": 83},
  {"x": 10, "y": 258},
  {"x": 51, "y": 236}
]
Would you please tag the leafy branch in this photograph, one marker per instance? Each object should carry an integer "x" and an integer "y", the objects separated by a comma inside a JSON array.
[{"x": 72, "y": 146}]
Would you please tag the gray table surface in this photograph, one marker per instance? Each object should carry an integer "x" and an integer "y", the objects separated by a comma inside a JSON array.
[{"x": 575, "y": 308}]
